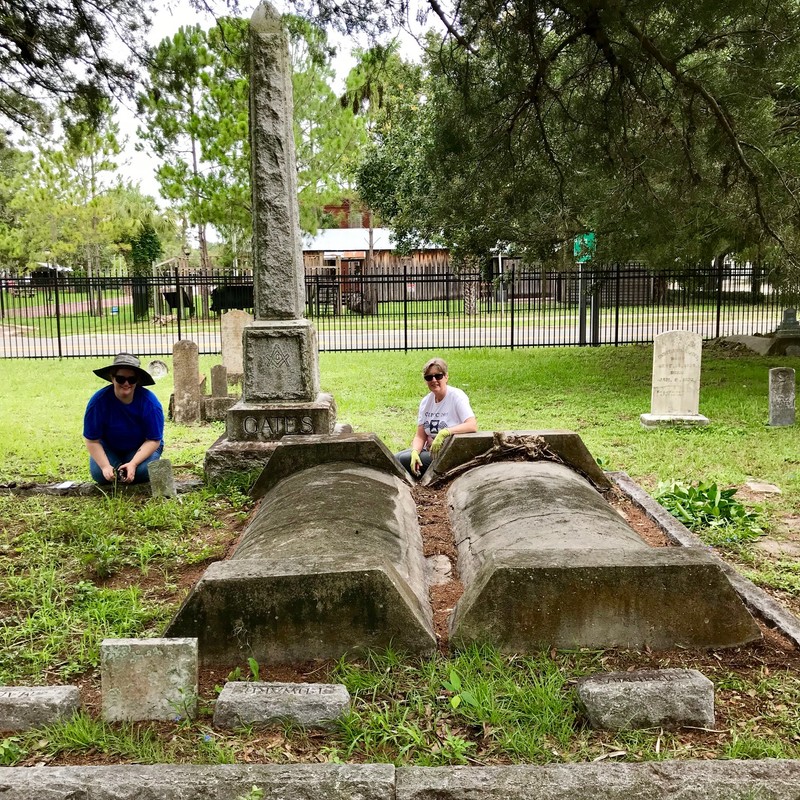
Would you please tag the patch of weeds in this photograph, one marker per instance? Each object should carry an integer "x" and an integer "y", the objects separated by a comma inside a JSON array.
[
  {"x": 754, "y": 745},
  {"x": 782, "y": 575},
  {"x": 447, "y": 711},
  {"x": 83, "y": 734},
  {"x": 713, "y": 513},
  {"x": 11, "y": 752}
]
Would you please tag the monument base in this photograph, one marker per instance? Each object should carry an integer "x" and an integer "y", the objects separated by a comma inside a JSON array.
[
  {"x": 253, "y": 431},
  {"x": 664, "y": 420}
]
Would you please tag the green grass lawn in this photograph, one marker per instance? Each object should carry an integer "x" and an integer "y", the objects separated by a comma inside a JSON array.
[{"x": 74, "y": 570}]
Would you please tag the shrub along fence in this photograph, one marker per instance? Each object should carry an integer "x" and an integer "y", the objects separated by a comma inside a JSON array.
[{"x": 62, "y": 315}]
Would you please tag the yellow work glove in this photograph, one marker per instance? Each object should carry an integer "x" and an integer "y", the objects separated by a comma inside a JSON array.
[
  {"x": 416, "y": 461},
  {"x": 436, "y": 444}
]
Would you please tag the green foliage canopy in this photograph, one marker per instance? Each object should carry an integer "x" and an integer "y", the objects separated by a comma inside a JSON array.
[{"x": 670, "y": 131}]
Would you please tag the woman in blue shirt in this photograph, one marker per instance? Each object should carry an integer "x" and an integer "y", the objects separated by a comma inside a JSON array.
[{"x": 123, "y": 426}]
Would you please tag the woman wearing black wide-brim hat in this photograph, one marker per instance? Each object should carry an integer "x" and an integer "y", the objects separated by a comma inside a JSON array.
[{"x": 123, "y": 426}]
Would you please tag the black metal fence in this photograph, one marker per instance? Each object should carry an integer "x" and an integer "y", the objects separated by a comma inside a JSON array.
[{"x": 60, "y": 315}]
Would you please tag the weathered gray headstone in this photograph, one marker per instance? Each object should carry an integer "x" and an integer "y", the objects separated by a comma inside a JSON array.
[
  {"x": 162, "y": 478},
  {"x": 259, "y": 703},
  {"x": 675, "y": 393},
  {"x": 186, "y": 392},
  {"x": 143, "y": 679},
  {"x": 781, "y": 397},
  {"x": 331, "y": 563},
  {"x": 233, "y": 325},
  {"x": 786, "y": 340},
  {"x": 280, "y": 390},
  {"x": 26, "y": 707},
  {"x": 219, "y": 380},
  {"x": 545, "y": 561},
  {"x": 653, "y": 698}
]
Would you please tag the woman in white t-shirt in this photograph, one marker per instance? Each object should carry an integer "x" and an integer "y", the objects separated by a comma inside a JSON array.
[{"x": 444, "y": 411}]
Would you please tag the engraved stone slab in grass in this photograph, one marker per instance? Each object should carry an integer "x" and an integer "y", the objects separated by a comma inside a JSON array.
[
  {"x": 148, "y": 679},
  {"x": 332, "y": 562},
  {"x": 652, "y": 698},
  {"x": 25, "y": 707},
  {"x": 464, "y": 447},
  {"x": 545, "y": 561},
  {"x": 261, "y": 703},
  {"x": 295, "y": 453}
]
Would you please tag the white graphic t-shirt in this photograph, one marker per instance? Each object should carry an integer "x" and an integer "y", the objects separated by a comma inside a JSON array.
[{"x": 453, "y": 410}]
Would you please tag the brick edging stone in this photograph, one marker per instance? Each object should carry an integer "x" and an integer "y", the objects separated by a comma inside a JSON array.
[{"x": 656, "y": 780}]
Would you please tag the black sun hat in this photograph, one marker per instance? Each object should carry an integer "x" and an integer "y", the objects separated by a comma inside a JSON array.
[{"x": 129, "y": 362}]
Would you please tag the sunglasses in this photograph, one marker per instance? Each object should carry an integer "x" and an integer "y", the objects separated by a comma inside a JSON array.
[
  {"x": 123, "y": 379},
  {"x": 435, "y": 376}
]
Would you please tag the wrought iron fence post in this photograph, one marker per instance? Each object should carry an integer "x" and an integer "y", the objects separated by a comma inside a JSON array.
[
  {"x": 616, "y": 303},
  {"x": 405, "y": 308},
  {"x": 178, "y": 300},
  {"x": 720, "y": 273},
  {"x": 511, "y": 300},
  {"x": 594, "y": 309},
  {"x": 58, "y": 316},
  {"x": 581, "y": 306}
]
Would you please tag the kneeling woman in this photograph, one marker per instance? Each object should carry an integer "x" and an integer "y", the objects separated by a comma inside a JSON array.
[
  {"x": 444, "y": 411},
  {"x": 124, "y": 423}
]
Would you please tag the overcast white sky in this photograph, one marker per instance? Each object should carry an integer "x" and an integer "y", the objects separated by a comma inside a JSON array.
[{"x": 140, "y": 167}]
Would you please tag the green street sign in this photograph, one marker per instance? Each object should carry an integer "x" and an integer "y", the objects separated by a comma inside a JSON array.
[{"x": 583, "y": 247}]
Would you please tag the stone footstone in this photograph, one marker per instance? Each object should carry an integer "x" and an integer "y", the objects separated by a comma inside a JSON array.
[
  {"x": 781, "y": 397},
  {"x": 654, "y": 698},
  {"x": 316, "y": 705},
  {"x": 219, "y": 380},
  {"x": 148, "y": 679},
  {"x": 26, "y": 707},
  {"x": 162, "y": 478}
]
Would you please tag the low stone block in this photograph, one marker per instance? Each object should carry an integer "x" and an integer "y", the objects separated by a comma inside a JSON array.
[
  {"x": 295, "y": 453},
  {"x": 654, "y": 698},
  {"x": 162, "y": 478},
  {"x": 675, "y": 420},
  {"x": 215, "y": 409},
  {"x": 26, "y": 707},
  {"x": 464, "y": 447},
  {"x": 654, "y": 780},
  {"x": 258, "y": 703},
  {"x": 195, "y": 782},
  {"x": 148, "y": 679}
]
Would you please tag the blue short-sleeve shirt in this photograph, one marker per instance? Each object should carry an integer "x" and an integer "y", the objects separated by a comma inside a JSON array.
[{"x": 123, "y": 427}]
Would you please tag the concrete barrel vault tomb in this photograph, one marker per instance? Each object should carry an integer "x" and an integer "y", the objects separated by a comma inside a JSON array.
[
  {"x": 331, "y": 562},
  {"x": 545, "y": 561}
]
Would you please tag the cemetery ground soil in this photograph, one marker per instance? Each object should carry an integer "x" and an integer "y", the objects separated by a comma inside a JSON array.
[{"x": 740, "y": 705}]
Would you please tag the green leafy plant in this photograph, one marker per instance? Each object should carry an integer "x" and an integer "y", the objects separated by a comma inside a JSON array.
[
  {"x": 458, "y": 694},
  {"x": 712, "y": 512},
  {"x": 10, "y": 752}
]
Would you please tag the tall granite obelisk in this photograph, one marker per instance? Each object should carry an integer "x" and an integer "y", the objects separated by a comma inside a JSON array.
[{"x": 280, "y": 391}]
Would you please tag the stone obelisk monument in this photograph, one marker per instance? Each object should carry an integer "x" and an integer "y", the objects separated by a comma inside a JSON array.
[{"x": 280, "y": 390}]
